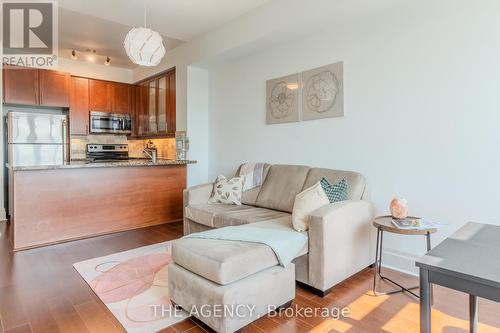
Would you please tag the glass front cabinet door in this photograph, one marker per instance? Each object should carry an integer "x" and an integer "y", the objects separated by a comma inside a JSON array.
[{"x": 156, "y": 106}]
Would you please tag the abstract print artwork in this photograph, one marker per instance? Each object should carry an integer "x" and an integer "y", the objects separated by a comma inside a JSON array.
[
  {"x": 283, "y": 99},
  {"x": 322, "y": 92}
]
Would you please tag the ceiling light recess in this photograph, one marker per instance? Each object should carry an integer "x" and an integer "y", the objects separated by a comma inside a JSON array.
[{"x": 144, "y": 46}]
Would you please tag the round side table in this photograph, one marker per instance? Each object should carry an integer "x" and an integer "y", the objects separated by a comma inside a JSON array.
[{"x": 384, "y": 223}]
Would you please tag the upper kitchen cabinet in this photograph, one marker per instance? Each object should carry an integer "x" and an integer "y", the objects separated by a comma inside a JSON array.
[
  {"x": 99, "y": 96},
  {"x": 140, "y": 122},
  {"x": 31, "y": 86},
  {"x": 155, "y": 106},
  {"x": 54, "y": 88},
  {"x": 79, "y": 106},
  {"x": 20, "y": 85},
  {"x": 108, "y": 96},
  {"x": 121, "y": 97},
  {"x": 171, "y": 111}
]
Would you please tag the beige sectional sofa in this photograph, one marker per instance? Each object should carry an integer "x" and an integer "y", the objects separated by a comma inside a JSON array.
[{"x": 339, "y": 233}]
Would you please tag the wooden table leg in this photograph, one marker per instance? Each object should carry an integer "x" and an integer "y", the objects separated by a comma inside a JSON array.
[
  {"x": 425, "y": 302},
  {"x": 473, "y": 313}
]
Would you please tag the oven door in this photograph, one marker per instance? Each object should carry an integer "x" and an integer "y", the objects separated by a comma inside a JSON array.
[{"x": 101, "y": 122}]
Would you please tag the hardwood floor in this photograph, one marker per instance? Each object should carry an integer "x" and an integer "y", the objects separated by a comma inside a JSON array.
[{"x": 41, "y": 292}]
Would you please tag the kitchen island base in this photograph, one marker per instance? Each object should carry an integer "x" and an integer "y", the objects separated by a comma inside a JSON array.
[{"x": 57, "y": 205}]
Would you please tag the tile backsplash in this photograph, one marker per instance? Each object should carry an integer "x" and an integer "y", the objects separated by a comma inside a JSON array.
[{"x": 166, "y": 147}]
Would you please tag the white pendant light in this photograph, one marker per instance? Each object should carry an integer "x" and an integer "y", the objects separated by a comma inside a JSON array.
[{"x": 144, "y": 46}]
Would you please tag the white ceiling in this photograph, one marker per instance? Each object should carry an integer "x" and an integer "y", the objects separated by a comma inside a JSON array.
[
  {"x": 81, "y": 32},
  {"x": 103, "y": 24}
]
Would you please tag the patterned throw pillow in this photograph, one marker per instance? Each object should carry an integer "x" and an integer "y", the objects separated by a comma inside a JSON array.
[
  {"x": 227, "y": 191},
  {"x": 336, "y": 192}
]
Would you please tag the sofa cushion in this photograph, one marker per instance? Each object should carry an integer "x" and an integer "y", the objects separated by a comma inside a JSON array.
[
  {"x": 250, "y": 197},
  {"x": 222, "y": 261},
  {"x": 216, "y": 215},
  {"x": 355, "y": 182},
  {"x": 282, "y": 184},
  {"x": 250, "y": 215},
  {"x": 205, "y": 213}
]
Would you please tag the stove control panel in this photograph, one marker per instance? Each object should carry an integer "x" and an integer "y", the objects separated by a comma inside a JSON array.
[{"x": 107, "y": 147}]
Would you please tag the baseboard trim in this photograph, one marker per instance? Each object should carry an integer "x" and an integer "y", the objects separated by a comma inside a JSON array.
[{"x": 400, "y": 261}]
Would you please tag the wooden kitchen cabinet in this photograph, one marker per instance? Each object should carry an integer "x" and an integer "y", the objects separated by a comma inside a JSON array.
[
  {"x": 31, "y": 86},
  {"x": 20, "y": 85},
  {"x": 106, "y": 96},
  {"x": 79, "y": 106},
  {"x": 152, "y": 102},
  {"x": 140, "y": 122},
  {"x": 155, "y": 109},
  {"x": 165, "y": 123},
  {"x": 171, "y": 112},
  {"x": 99, "y": 96},
  {"x": 152, "y": 110},
  {"x": 120, "y": 97},
  {"x": 54, "y": 88}
]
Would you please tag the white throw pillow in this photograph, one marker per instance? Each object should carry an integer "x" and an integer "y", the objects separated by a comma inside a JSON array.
[
  {"x": 227, "y": 191},
  {"x": 305, "y": 203}
]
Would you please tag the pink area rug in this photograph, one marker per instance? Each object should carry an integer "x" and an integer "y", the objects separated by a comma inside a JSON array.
[{"x": 134, "y": 287}]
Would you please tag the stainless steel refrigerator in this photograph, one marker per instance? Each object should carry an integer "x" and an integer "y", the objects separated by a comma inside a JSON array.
[{"x": 37, "y": 138}]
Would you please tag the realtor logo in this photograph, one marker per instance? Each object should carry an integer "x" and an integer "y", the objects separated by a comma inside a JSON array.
[{"x": 29, "y": 33}]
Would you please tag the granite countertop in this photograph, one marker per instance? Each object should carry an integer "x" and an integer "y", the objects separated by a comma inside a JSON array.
[{"x": 78, "y": 164}]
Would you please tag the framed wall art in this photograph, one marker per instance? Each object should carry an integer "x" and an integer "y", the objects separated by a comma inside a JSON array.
[
  {"x": 323, "y": 92},
  {"x": 283, "y": 99}
]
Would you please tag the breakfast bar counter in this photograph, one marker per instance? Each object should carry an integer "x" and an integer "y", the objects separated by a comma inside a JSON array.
[
  {"x": 53, "y": 204},
  {"x": 78, "y": 164}
]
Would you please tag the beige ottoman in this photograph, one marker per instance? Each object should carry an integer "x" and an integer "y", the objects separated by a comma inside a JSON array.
[{"x": 228, "y": 284}]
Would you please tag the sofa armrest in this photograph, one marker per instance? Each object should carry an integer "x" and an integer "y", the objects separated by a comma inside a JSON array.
[
  {"x": 339, "y": 242},
  {"x": 198, "y": 194}
]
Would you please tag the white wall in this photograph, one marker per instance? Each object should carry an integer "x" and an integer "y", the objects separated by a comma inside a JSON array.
[
  {"x": 422, "y": 111},
  {"x": 257, "y": 29},
  {"x": 197, "y": 108}
]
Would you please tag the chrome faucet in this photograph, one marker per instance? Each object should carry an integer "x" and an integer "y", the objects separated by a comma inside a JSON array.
[{"x": 150, "y": 151}]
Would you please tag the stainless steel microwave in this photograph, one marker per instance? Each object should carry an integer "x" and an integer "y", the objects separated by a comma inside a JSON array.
[{"x": 110, "y": 123}]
